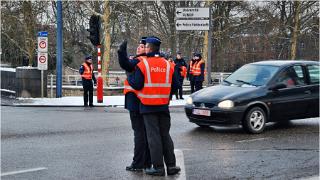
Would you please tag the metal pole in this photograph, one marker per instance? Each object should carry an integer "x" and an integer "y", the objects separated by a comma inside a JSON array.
[
  {"x": 209, "y": 48},
  {"x": 41, "y": 83},
  {"x": 99, "y": 79},
  {"x": 59, "y": 50},
  {"x": 51, "y": 86}
]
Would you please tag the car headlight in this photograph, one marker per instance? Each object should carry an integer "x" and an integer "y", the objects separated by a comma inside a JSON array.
[
  {"x": 189, "y": 101},
  {"x": 226, "y": 104}
]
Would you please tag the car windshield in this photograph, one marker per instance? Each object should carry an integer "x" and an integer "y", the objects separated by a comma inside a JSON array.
[{"x": 251, "y": 75}]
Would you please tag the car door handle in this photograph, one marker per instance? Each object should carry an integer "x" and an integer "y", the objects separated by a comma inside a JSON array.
[{"x": 307, "y": 92}]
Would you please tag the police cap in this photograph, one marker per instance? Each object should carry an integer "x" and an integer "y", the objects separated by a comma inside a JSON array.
[
  {"x": 153, "y": 40},
  {"x": 88, "y": 57},
  {"x": 143, "y": 40}
]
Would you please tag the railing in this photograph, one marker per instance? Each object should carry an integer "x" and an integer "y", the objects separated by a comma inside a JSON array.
[{"x": 117, "y": 78}]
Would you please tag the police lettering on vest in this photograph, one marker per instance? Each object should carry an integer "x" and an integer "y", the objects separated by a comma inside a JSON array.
[
  {"x": 158, "y": 74},
  {"x": 157, "y": 69}
]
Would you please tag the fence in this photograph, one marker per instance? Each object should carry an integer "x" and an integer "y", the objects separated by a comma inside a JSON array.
[{"x": 116, "y": 79}]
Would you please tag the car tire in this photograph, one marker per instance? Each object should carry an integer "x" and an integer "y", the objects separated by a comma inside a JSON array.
[
  {"x": 254, "y": 121},
  {"x": 203, "y": 126}
]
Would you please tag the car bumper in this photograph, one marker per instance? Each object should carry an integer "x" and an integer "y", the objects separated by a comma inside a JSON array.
[{"x": 217, "y": 117}]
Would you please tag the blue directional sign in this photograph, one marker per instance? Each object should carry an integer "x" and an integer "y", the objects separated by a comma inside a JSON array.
[{"x": 43, "y": 34}]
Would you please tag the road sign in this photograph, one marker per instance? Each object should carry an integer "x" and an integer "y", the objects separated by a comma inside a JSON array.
[
  {"x": 43, "y": 34},
  {"x": 202, "y": 25},
  {"x": 42, "y": 61},
  {"x": 42, "y": 44},
  {"x": 192, "y": 12}
]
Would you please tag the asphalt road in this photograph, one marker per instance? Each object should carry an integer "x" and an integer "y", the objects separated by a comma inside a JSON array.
[{"x": 73, "y": 143}]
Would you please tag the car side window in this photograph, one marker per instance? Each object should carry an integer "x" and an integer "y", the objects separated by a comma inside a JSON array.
[
  {"x": 313, "y": 71},
  {"x": 292, "y": 76}
]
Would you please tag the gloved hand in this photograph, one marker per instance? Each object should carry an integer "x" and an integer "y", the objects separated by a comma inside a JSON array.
[
  {"x": 123, "y": 57},
  {"x": 123, "y": 46}
]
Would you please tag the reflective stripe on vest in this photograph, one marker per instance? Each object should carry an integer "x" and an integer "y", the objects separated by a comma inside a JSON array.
[
  {"x": 157, "y": 82},
  {"x": 197, "y": 68},
  {"x": 127, "y": 87},
  {"x": 191, "y": 67},
  {"x": 87, "y": 74},
  {"x": 183, "y": 71}
]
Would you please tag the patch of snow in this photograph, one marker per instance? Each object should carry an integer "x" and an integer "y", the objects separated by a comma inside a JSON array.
[
  {"x": 26, "y": 67},
  {"x": 7, "y": 69},
  {"x": 117, "y": 101},
  {"x": 7, "y": 90}
]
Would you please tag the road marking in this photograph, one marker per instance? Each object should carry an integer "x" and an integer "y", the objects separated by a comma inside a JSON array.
[
  {"x": 250, "y": 140},
  {"x": 180, "y": 162},
  {"x": 23, "y": 171}
]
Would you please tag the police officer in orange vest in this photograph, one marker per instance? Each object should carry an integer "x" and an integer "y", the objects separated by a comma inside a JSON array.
[
  {"x": 182, "y": 66},
  {"x": 141, "y": 156},
  {"x": 86, "y": 71},
  {"x": 154, "y": 78},
  {"x": 190, "y": 73},
  {"x": 198, "y": 71}
]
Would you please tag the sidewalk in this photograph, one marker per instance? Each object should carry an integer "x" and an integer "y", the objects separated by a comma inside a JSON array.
[{"x": 77, "y": 101}]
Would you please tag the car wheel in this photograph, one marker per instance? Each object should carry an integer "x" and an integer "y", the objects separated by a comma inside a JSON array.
[
  {"x": 203, "y": 126},
  {"x": 255, "y": 120}
]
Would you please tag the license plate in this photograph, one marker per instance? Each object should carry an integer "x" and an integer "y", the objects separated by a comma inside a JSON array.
[{"x": 201, "y": 112}]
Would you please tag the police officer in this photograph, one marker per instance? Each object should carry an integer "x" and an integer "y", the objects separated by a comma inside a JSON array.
[
  {"x": 154, "y": 77},
  {"x": 86, "y": 71},
  {"x": 171, "y": 61},
  {"x": 190, "y": 73},
  {"x": 182, "y": 66},
  {"x": 141, "y": 156},
  {"x": 198, "y": 71}
]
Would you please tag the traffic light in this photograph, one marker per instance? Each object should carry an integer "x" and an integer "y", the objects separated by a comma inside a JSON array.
[{"x": 94, "y": 30}]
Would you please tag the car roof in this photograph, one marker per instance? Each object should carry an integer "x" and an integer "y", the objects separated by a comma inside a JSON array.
[{"x": 285, "y": 62}]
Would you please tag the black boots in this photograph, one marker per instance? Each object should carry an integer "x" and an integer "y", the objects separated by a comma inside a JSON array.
[
  {"x": 156, "y": 171},
  {"x": 173, "y": 170}
]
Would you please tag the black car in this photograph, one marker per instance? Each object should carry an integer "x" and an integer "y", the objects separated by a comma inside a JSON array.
[{"x": 257, "y": 93}]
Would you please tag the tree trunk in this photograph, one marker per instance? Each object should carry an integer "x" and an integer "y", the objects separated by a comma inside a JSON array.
[
  {"x": 30, "y": 39},
  {"x": 107, "y": 42},
  {"x": 294, "y": 36}
]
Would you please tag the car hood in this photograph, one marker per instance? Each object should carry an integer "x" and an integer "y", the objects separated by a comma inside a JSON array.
[{"x": 215, "y": 94}]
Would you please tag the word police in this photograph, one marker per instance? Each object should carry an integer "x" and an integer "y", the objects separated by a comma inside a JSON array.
[{"x": 158, "y": 69}]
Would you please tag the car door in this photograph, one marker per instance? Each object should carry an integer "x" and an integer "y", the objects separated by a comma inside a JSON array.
[
  {"x": 312, "y": 72},
  {"x": 289, "y": 102}
]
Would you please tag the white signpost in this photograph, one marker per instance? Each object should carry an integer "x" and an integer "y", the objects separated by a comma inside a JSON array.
[
  {"x": 42, "y": 61},
  {"x": 192, "y": 25},
  {"x": 192, "y": 12},
  {"x": 42, "y": 44},
  {"x": 196, "y": 19},
  {"x": 42, "y": 54}
]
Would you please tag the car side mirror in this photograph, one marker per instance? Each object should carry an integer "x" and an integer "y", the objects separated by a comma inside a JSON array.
[{"x": 277, "y": 86}]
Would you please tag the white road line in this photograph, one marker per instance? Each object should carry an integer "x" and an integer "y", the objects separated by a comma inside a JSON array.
[
  {"x": 23, "y": 171},
  {"x": 180, "y": 162},
  {"x": 250, "y": 140}
]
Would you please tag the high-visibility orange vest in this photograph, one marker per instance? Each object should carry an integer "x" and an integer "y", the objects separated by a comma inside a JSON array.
[
  {"x": 197, "y": 68},
  {"x": 158, "y": 74},
  {"x": 127, "y": 87},
  {"x": 87, "y": 73},
  {"x": 191, "y": 67},
  {"x": 183, "y": 71}
]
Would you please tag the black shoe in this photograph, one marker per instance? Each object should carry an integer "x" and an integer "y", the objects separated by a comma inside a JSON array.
[
  {"x": 91, "y": 105},
  {"x": 155, "y": 171},
  {"x": 86, "y": 105},
  {"x": 182, "y": 98},
  {"x": 173, "y": 170},
  {"x": 134, "y": 169}
]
